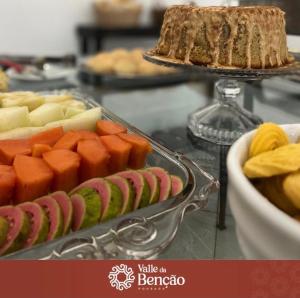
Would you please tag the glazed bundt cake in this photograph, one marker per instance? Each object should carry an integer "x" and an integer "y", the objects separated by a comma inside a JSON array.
[{"x": 244, "y": 37}]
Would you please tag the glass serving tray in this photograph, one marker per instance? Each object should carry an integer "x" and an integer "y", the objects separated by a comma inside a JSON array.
[{"x": 141, "y": 234}]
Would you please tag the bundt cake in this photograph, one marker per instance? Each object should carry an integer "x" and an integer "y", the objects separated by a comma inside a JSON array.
[{"x": 244, "y": 37}]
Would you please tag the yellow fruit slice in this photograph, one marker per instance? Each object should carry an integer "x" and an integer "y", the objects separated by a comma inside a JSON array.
[
  {"x": 272, "y": 188},
  {"x": 268, "y": 136},
  {"x": 291, "y": 187},
  {"x": 283, "y": 160}
]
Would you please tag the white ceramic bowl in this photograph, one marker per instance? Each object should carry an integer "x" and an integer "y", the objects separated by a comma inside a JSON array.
[{"x": 263, "y": 230}]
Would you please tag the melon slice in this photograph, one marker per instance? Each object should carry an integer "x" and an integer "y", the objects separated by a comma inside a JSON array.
[
  {"x": 72, "y": 111},
  {"x": 46, "y": 113},
  {"x": 164, "y": 182},
  {"x": 20, "y": 99},
  {"x": 39, "y": 223},
  {"x": 127, "y": 192},
  {"x": 83, "y": 121},
  {"x": 14, "y": 117},
  {"x": 20, "y": 133},
  {"x": 86, "y": 208},
  {"x": 54, "y": 215},
  {"x": 4, "y": 227},
  {"x": 177, "y": 185},
  {"x": 153, "y": 184},
  {"x": 110, "y": 194},
  {"x": 19, "y": 228},
  {"x": 66, "y": 207},
  {"x": 142, "y": 190}
]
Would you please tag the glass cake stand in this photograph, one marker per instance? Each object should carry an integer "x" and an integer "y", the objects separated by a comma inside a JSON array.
[{"x": 224, "y": 121}]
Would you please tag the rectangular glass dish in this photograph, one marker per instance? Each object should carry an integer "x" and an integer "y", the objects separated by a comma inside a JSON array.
[{"x": 143, "y": 233}]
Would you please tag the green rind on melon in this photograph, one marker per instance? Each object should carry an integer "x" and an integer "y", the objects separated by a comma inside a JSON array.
[
  {"x": 93, "y": 206},
  {"x": 115, "y": 203},
  {"x": 4, "y": 227}
]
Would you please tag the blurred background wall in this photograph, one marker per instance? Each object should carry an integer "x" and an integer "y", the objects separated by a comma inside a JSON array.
[{"x": 47, "y": 27}]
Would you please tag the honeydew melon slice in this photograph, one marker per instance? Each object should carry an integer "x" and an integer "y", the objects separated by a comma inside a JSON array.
[
  {"x": 21, "y": 133},
  {"x": 13, "y": 117},
  {"x": 74, "y": 104},
  {"x": 71, "y": 111},
  {"x": 58, "y": 98},
  {"x": 83, "y": 121},
  {"x": 27, "y": 99},
  {"x": 46, "y": 113}
]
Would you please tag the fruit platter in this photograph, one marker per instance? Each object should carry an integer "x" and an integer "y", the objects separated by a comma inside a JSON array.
[{"x": 76, "y": 181}]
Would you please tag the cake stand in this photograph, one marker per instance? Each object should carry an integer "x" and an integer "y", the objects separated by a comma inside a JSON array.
[{"x": 224, "y": 121}]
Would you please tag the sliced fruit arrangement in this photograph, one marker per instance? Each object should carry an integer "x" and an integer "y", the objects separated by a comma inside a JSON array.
[
  {"x": 62, "y": 173},
  {"x": 93, "y": 201},
  {"x": 55, "y": 160},
  {"x": 24, "y": 113}
]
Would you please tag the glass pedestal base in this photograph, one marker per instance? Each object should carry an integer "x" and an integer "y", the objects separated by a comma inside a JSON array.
[{"x": 225, "y": 121}]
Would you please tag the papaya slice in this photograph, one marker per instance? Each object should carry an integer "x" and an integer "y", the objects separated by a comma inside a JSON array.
[
  {"x": 39, "y": 149},
  {"x": 107, "y": 127},
  {"x": 140, "y": 148},
  {"x": 7, "y": 184},
  {"x": 94, "y": 159},
  {"x": 10, "y": 148},
  {"x": 68, "y": 141},
  {"x": 49, "y": 137},
  {"x": 65, "y": 165},
  {"x": 119, "y": 152},
  {"x": 33, "y": 178}
]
